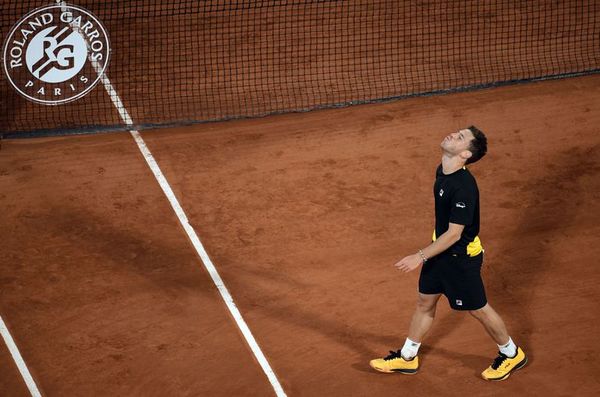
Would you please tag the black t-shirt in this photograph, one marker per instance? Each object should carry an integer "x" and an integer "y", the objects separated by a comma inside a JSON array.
[{"x": 457, "y": 201}]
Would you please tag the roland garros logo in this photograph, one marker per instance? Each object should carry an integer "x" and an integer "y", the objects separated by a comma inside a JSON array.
[{"x": 56, "y": 54}]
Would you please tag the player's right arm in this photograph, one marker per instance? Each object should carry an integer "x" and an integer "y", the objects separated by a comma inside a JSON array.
[{"x": 441, "y": 244}]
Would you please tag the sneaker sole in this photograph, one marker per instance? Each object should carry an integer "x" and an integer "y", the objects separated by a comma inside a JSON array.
[
  {"x": 396, "y": 371},
  {"x": 517, "y": 367}
]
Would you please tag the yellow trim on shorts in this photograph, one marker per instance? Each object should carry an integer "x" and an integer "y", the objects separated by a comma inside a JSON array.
[{"x": 473, "y": 249}]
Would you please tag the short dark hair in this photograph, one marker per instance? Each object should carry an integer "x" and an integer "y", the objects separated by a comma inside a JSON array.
[{"x": 478, "y": 146}]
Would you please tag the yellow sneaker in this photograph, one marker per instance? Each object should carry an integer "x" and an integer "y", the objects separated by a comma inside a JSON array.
[
  {"x": 396, "y": 363},
  {"x": 503, "y": 366}
]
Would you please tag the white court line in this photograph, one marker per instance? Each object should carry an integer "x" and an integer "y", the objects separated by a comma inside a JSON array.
[
  {"x": 14, "y": 351},
  {"x": 191, "y": 233},
  {"x": 209, "y": 265}
]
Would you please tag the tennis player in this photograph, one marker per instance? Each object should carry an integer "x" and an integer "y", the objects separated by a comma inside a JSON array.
[{"x": 451, "y": 264}]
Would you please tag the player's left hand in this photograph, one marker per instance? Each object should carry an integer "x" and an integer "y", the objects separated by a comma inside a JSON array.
[{"x": 409, "y": 263}]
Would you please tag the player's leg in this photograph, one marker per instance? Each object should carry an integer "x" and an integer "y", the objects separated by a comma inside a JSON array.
[
  {"x": 421, "y": 320},
  {"x": 492, "y": 323},
  {"x": 430, "y": 290},
  {"x": 466, "y": 292}
]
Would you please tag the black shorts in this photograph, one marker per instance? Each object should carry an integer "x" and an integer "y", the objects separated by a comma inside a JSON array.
[{"x": 458, "y": 277}]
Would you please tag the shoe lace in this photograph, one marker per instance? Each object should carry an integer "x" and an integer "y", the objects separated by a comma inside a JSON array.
[
  {"x": 393, "y": 355},
  {"x": 499, "y": 360}
]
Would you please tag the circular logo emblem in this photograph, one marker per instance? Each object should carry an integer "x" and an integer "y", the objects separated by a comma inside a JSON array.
[{"x": 56, "y": 54}]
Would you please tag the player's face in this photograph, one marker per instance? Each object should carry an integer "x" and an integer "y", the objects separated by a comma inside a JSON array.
[{"x": 457, "y": 142}]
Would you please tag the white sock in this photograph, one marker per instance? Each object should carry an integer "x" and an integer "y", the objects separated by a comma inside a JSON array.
[
  {"x": 510, "y": 349},
  {"x": 410, "y": 349}
]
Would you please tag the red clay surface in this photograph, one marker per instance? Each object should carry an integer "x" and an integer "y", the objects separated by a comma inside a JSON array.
[{"x": 304, "y": 216}]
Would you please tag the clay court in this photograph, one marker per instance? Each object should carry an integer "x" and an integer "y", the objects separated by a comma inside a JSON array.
[{"x": 303, "y": 216}]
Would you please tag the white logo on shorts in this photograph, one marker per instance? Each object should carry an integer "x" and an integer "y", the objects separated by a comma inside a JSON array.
[
  {"x": 461, "y": 205},
  {"x": 46, "y": 54},
  {"x": 458, "y": 302},
  {"x": 441, "y": 192}
]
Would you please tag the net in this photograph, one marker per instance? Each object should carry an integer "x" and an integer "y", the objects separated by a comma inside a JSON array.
[{"x": 192, "y": 61}]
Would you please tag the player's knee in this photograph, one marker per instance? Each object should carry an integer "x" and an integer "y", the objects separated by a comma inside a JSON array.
[{"x": 426, "y": 305}]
